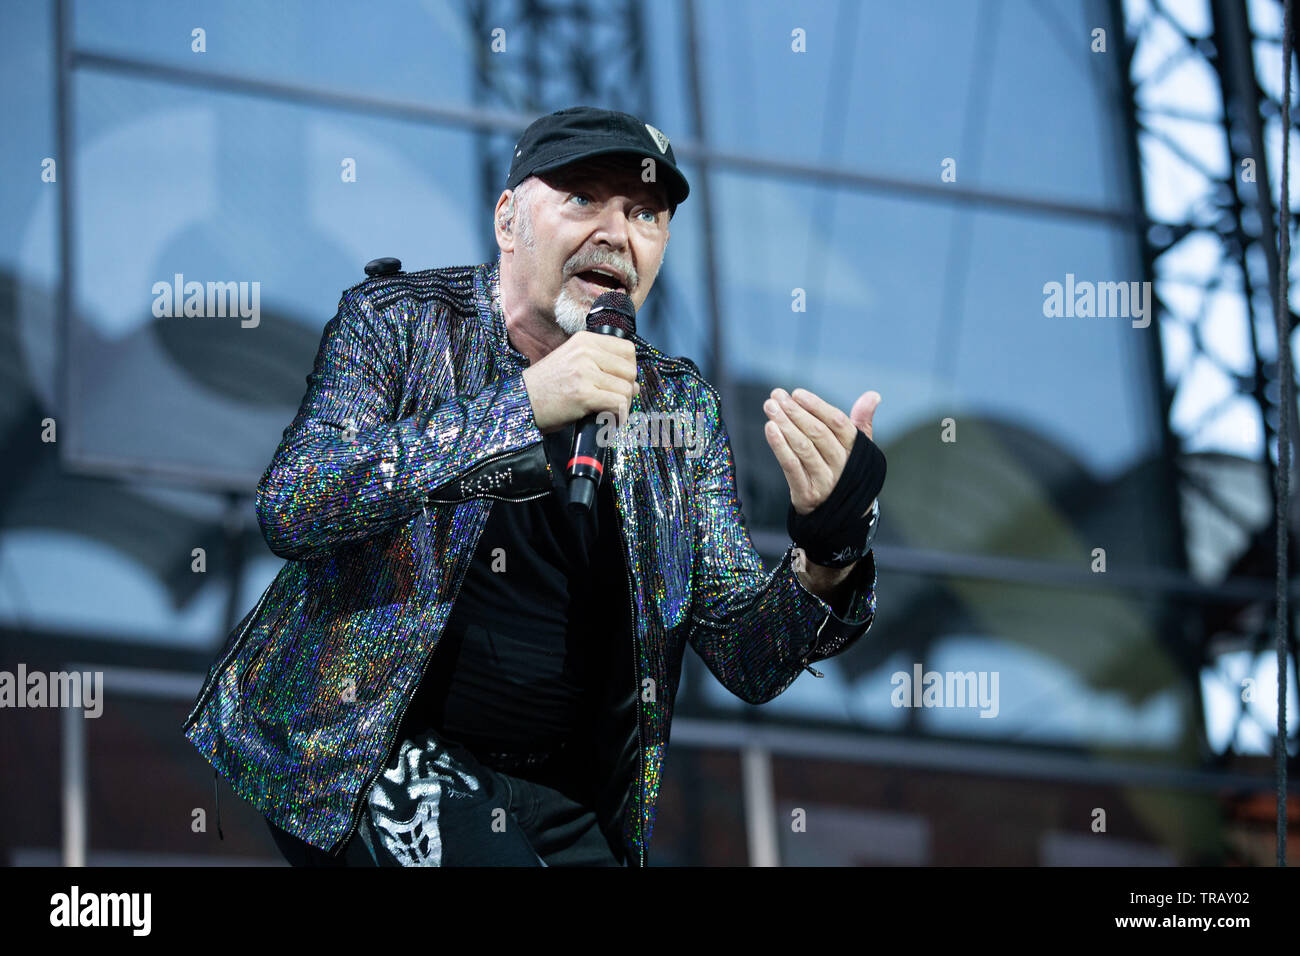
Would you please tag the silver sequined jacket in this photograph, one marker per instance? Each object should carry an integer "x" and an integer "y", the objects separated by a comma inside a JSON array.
[{"x": 414, "y": 423}]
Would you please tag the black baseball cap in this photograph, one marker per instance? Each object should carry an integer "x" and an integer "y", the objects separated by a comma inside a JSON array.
[{"x": 579, "y": 132}]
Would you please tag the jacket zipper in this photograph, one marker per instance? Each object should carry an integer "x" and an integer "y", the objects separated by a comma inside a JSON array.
[
  {"x": 392, "y": 735},
  {"x": 215, "y": 673},
  {"x": 640, "y": 749},
  {"x": 636, "y": 644},
  {"x": 636, "y": 681}
]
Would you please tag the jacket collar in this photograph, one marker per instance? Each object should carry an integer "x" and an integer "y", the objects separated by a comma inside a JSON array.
[{"x": 487, "y": 303}]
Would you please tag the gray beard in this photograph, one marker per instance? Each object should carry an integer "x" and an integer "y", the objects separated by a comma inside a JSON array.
[{"x": 570, "y": 315}]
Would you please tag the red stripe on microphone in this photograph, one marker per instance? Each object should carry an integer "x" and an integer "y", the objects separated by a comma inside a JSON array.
[{"x": 585, "y": 460}]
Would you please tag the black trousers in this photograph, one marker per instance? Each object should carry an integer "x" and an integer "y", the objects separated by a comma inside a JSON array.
[{"x": 438, "y": 805}]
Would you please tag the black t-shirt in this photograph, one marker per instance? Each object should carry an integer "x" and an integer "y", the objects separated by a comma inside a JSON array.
[{"x": 526, "y": 638}]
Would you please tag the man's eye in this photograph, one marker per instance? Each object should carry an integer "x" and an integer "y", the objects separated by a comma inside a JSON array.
[
  {"x": 585, "y": 198},
  {"x": 654, "y": 216}
]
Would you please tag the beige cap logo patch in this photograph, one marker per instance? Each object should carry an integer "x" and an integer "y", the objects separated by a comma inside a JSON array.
[{"x": 660, "y": 139}]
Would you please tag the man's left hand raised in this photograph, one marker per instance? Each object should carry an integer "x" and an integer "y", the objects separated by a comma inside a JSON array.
[{"x": 811, "y": 440}]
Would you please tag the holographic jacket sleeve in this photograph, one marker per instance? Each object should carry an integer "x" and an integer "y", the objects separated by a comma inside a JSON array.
[
  {"x": 754, "y": 629},
  {"x": 348, "y": 467}
]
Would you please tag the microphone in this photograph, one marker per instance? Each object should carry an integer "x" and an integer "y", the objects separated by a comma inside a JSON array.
[{"x": 611, "y": 314}]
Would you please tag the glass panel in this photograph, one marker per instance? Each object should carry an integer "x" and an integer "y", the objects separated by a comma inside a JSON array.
[
  {"x": 215, "y": 188},
  {"x": 1001, "y": 662},
  {"x": 410, "y": 50},
  {"x": 1054, "y": 432},
  {"x": 895, "y": 88}
]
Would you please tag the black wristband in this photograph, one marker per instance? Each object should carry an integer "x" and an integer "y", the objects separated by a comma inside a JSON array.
[{"x": 839, "y": 531}]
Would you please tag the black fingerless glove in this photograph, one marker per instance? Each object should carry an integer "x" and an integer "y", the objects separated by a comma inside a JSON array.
[{"x": 839, "y": 531}]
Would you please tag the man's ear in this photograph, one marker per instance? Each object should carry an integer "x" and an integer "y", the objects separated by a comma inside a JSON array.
[{"x": 504, "y": 228}]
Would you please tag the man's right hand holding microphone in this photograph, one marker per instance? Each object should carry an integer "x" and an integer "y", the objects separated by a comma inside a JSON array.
[{"x": 588, "y": 374}]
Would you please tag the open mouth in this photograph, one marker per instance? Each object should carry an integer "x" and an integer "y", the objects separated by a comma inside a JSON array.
[{"x": 601, "y": 281}]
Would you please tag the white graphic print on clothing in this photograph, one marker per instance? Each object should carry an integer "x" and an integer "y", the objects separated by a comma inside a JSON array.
[{"x": 404, "y": 802}]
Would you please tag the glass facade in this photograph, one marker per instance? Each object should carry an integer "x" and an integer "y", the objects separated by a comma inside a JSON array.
[{"x": 892, "y": 191}]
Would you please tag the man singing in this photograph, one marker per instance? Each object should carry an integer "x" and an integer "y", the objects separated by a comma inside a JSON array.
[{"x": 453, "y": 667}]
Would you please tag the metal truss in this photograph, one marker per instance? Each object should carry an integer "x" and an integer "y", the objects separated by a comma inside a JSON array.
[{"x": 1206, "y": 117}]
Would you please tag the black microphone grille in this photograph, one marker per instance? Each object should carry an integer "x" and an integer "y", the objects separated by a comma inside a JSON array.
[{"x": 613, "y": 309}]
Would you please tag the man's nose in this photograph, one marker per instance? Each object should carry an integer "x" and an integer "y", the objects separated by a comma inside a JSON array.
[{"x": 612, "y": 227}]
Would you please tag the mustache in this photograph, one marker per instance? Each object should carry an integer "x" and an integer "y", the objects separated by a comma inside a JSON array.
[{"x": 584, "y": 261}]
